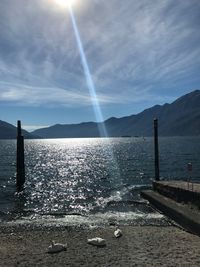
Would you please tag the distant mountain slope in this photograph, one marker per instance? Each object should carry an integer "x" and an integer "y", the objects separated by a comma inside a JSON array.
[
  {"x": 182, "y": 117},
  {"x": 8, "y": 131}
]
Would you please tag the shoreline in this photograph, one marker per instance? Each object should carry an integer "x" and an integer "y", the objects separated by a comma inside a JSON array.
[{"x": 138, "y": 246}]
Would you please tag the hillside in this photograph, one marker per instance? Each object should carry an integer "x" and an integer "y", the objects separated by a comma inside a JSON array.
[
  {"x": 182, "y": 117},
  {"x": 8, "y": 131}
]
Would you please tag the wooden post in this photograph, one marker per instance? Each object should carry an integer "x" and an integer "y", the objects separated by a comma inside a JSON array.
[
  {"x": 156, "y": 150},
  {"x": 20, "y": 158}
]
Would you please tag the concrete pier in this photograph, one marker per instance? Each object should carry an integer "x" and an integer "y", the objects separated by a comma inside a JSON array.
[
  {"x": 179, "y": 191},
  {"x": 178, "y": 201}
]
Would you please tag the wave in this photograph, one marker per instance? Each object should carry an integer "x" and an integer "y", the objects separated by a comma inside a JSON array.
[{"x": 123, "y": 196}]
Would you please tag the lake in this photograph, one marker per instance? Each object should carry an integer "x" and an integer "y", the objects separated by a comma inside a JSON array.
[{"x": 94, "y": 180}]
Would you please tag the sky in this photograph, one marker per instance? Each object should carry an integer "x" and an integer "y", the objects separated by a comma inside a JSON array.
[{"x": 139, "y": 53}]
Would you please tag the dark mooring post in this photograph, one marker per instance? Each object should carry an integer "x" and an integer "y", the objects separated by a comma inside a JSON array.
[
  {"x": 157, "y": 171},
  {"x": 20, "y": 158}
]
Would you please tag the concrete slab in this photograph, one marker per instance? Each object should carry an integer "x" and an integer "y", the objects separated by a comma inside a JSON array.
[
  {"x": 181, "y": 213},
  {"x": 181, "y": 185},
  {"x": 179, "y": 191}
]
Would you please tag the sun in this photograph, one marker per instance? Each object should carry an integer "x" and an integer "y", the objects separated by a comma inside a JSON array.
[{"x": 64, "y": 3}]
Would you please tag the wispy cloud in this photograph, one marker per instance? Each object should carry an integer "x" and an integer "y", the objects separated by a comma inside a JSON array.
[
  {"x": 23, "y": 95},
  {"x": 134, "y": 48},
  {"x": 146, "y": 41}
]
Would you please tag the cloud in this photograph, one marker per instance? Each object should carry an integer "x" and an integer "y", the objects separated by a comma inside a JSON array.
[
  {"x": 30, "y": 96},
  {"x": 146, "y": 42},
  {"x": 134, "y": 49},
  {"x": 24, "y": 95}
]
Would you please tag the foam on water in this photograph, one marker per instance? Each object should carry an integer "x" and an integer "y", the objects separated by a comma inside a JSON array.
[{"x": 97, "y": 220}]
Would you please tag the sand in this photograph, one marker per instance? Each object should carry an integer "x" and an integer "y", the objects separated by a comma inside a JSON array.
[{"x": 139, "y": 246}]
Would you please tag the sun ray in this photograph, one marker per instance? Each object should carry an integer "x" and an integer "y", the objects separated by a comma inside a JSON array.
[{"x": 89, "y": 80}]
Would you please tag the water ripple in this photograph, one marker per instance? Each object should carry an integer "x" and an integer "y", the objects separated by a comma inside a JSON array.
[{"x": 84, "y": 175}]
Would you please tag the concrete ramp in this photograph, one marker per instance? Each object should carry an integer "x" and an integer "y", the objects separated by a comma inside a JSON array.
[
  {"x": 183, "y": 214},
  {"x": 179, "y": 191}
]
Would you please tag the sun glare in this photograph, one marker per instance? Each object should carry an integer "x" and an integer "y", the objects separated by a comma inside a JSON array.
[{"x": 64, "y": 3}]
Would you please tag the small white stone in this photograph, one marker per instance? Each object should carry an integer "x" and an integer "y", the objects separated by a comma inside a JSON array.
[{"x": 117, "y": 233}]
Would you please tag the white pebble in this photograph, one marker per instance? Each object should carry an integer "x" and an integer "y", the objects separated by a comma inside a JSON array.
[{"x": 117, "y": 233}]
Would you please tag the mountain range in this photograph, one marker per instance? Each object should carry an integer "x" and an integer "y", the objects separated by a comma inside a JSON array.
[
  {"x": 8, "y": 131},
  {"x": 180, "y": 118}
]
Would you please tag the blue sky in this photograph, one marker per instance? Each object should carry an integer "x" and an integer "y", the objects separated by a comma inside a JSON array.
[{"x": 140, "y": 53}]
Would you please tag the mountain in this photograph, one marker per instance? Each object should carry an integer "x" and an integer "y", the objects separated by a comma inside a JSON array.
[
  {"x": 180, "y": 118},
  {"x": 8, "y": 131}
]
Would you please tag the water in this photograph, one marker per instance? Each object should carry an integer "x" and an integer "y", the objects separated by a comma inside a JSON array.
[{"x": 90, "y": 180}]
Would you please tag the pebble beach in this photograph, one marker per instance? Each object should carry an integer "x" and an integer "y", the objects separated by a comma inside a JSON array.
[{"x": 138, "y": 246}]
